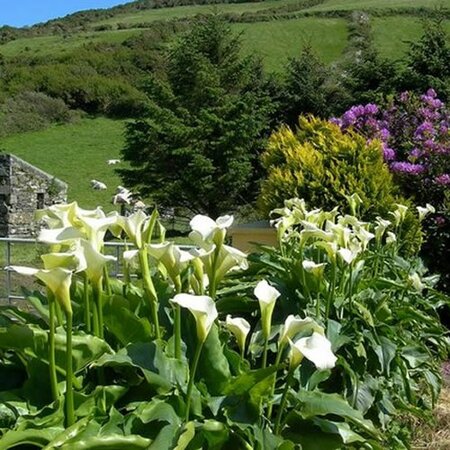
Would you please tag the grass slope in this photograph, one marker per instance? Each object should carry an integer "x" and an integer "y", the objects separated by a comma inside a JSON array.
[
  {"x": 276, "y": 41},
  {"x": 75, "y": 153},
  {"x": 345, "y": 5}
]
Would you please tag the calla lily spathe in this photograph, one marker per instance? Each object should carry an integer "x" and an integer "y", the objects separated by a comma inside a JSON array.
[
  {"x": 316, "y": 348},
  {"x": 171, "y": 257},
  {"x": 267, "y": 296},
  {"x": 294, "y": 325},
  {"x": 94, "y": 261},
  {"x": 424, "y": 211},
  {"x": 240, "y": 328},
  {"x": 58, "y": 280},
  {"x": 202, "y": 308},
  {"x": 207, "y": 231}
]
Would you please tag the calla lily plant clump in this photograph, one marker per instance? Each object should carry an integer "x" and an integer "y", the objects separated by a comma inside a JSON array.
[
  {"x": 380, "y": 309},
  {"x": 194, "y": 349}
]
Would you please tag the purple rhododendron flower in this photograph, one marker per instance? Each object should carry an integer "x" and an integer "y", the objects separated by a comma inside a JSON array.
[
  {"x": 443, "y": 179},
  {"x": 416, "y": 153},
  {"x": 425, "y": 128},
  {"x": 348, "y": 119},
  {"x": 384, "y": 134},
  {"x": 407, "y": 168},
  {"x": 388, "y": 153},
  {"x": 430, "y": 144},
  {"x": 371, "y": 108},
  {"x": 336, "y": 121}
]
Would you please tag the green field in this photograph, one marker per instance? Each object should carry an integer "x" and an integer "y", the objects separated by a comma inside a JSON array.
[
  {"x": 339, "y": 5},
  {"x": 75, "y": 153},
  {"x": 55, "y": 45},
  {"x": 273, "y": 40},
  {"x": 277, "y": 40},
  {"x": 392, "y": 34},
  {"x": 185, "y": 11}
]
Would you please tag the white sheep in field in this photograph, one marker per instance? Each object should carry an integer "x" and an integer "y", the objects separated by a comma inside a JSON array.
[
  {"x": 98, "y": 185},
  {"x": 112, "y": 162}
]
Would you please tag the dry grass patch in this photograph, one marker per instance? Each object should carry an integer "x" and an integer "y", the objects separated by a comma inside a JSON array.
[{"x": 437, "y": 435}]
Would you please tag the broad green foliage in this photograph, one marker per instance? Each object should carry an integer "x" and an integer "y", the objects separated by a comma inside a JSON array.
[
  {"x": 321, "y": 164},
  {"x": 196, "y": 145}
]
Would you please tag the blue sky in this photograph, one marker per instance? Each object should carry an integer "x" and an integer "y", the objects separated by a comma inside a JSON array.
[{"x": 19, "y": 13}]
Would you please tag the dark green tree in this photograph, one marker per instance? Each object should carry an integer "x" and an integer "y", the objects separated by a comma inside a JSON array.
[
  {"x": 306, "y": 88},
  {"x": 197, "y": 144},
  {"x": 428, "y": 60}
]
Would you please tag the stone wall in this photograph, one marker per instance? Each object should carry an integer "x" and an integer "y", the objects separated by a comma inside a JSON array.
[{"x": 24, "y": 189}]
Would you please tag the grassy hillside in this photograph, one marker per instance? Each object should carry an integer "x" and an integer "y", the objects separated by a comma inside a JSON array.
[
  {"x": 339, "y": 5},
  {"x": 274, "y": 40},
  {"x": 277, "y": 40},
  {"x": 76, "y": 154}
]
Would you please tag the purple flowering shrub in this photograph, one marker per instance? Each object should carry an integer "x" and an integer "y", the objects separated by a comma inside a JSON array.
[{"x": 414, "y": 131}]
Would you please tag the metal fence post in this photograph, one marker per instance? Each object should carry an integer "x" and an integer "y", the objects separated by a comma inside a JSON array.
[{"x": 8, "y": 272}]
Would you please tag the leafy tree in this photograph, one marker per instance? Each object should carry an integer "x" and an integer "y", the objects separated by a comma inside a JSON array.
[
  {"x": 197, "y": 144},
  {"x": 428, "y": 60},
  {"x": 307, "y": 88}
]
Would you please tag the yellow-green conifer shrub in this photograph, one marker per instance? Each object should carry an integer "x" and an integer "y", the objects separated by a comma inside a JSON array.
[{"x": 323, "y": 165}]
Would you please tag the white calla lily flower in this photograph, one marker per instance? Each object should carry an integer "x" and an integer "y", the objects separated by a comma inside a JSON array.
[
  {"x": 424, "y": 211},
  {"x": 94, "y": 261},
  {"x": 399, "y": 214},
  {"x": 267, "y": 296},
  {"x": 313, "y": 268},
  {"x": 391, "y": 238},
  {"x": 240, "y": 328},
  {"x": 202, "y": 308},
  {"x": 316, "y": 348},
  {"x": 60, "y": 235},
  {"x": 347, "y": 255},
  {"x": 171, "y": 257},
  {"x": 207, "y": 231},
  {"x": 57, "y": 279},
  {"x": 416, "y": 282},
  {"x": 134, "y": 226},
  {"x": 95, "y": 228},
  {"x": 381, "y": 227},
  {"x": 73, "y": 260},
  {"x": 294, "y": 325}
]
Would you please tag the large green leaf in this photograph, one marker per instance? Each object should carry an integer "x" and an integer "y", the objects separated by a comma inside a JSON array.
[
  {"x": 110, "y": 442},
  {"x": 126, "y": 326},
  {"x": 315, "y": 403},
  {"x": 35, "y": 437},
  {"x": 32, "y": 341},
  {"x": 159, "y": 370},
  {"x": 213, "y": 366}
]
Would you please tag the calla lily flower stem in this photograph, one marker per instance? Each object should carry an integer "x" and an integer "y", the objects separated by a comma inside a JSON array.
[
  {"x": 177, "y": 321},
  {"x": 264, "y": 358},
  {"x": 283, "y": 401},
  {"x": 272, "y": 392},
  {"x": 106, "y": 280},
  {"x": 87, "y": 304},
  {"x": 198, "y": 351},
  {"x": 149, "y": 289},
  {"x": 70, "y": 411},
  {"x": 51, "y": 348},
  {"x": 212, "y": 282},
  {"x": 98, "y": 301},
  {"x": 331, "y": 290}
]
